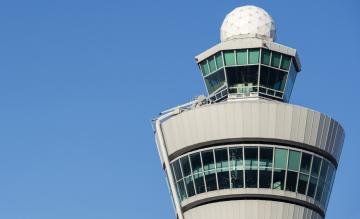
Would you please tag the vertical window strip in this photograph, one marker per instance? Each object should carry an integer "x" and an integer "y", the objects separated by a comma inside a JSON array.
[
  {"x": 219, "y": 60},
  {"x": 258, "y": 167},
  {"x": 204, "y": 66},
  {"x": 318, "y": 180},
  {"x": 298, "y": 173},
  {"x": 286, "y": 168},
  {"x": 228, "y": 154},
  {"x": 242, "y": 57},
  {"x": 253, "y": 56},
  {"x": 216, "y": 177},
  {"x": 243, "y": 158},
  {"x": 212, "y": 64},
  {"x": 230, "y": 57},
  {"x": 176, "y": 183},
  {"x": 183, "y": 180},
  {"x": 192, "y": 174},
  {"x": 308, "y": 182},
  {"x": 273, "y": 169},
  {"x": 203, "y": 170}
]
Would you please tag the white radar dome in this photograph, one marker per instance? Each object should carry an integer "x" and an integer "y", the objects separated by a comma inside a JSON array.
[{"x": 248, "y": 21}]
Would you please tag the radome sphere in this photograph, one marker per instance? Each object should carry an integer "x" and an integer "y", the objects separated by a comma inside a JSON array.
[{"x": 248, "y": 21}]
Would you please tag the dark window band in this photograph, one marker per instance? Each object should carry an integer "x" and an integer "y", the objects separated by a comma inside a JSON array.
[
  {"x": 279, "y": 142},
  {"x": 254, "y": 166}
]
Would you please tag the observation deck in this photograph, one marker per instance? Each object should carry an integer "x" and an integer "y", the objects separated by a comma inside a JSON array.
[{"x": 249, "y": 67}]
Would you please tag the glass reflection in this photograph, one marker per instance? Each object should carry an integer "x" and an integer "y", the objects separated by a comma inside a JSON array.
[
  {"x": 254, "y": 167},
  {"x": 251, "y": 167}
]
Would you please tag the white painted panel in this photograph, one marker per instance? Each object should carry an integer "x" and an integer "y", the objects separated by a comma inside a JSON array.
[
  {"x": 325, "y": 133},
  {"x": 280, "y": 119},
  {"x": 255, "y": 111},
  {"x": 315, "y": 128},
  {"x": 272, "y": 119},
  {"x": 302, "y": 125},
  {"x": 308, "y": 127},
  {"x": 320, "y": 130},
  {"x": 288, "y": 111},
  {"x": 295, "y": 122},
  {"x": 264, "y": 120}
]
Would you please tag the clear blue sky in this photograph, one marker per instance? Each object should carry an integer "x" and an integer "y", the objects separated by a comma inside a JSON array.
[{"x": 81, "y": 80}]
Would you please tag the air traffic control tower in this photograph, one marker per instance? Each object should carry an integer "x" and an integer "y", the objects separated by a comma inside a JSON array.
[{"x": 244, "y": 152}]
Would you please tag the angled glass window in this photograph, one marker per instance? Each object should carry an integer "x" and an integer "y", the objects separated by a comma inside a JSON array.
[
  {"x": 265, "y": 56},
  {"x": 303, "y": 181},
  {"x": 185, "y": 166},
  {"x": 210, "y": 179},
  {"x": 177, "y": 191},
  {"x": 241, "y": 57},
  {"x": 294, "y": 160},
  {"x": 219, "y": 60},
  {"x": 212, "y": 64},
  {"x": 285, "y": 62},
  {"x": 177, "y": 170},
  {"x": 186, "y": 170},
  {"x": 280, "y": 158},
  {"x": 229, "y": 57},
  {"x": 290, "y": 82},
  {"x": 237, "y": 179},
  {"x": 325, "y": 194},
  {"x": 265, "y": 178},
  {"x": 236, "y": 158},
  {"x": 223, "y": 180},
  {"x": 266, "y": 157},
  {"x": 196, "y": 163},
  {"x": 242, "y": 79},
  {"x": 324, "y": 169},
  {"x": 221, "y": 156},
  {"x": 312, "y": 187},
  {"x": 272, "y": 78},
  {"x": 251, "y": 178},
  {"x": 199, "y": 183},
  {"x": 208, "y": 160},
  {"x": 209, "y": 169},
  {"x": 254, "y": 55},
  {"x": 251, "y": 166},
  {"x": 198, "y": 173},
  {"x": 291, "y": 180},
  {"x": 189, "y": 186},
  {"x": 329, "y": 181},
  {"x": 305, "y": 163},
  {"x": 236, "y": 167},
  {"x": 222, "y": 168},
  {"x": 251, "y": 158},
  {"x": 315, "y": 166},
  {"x": 319, "y": 190},
  {"x": 215, "y": 81},
  {"x": 182, "y": 190},
  {"x": 279, "y": 179},
  {"x": 275, "y": 59},
  {"x": 204, "y": 67},
  {"x": 331, "y": 173}
]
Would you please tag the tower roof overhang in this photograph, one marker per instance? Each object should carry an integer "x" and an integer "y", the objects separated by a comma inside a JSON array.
[{"x": 250, "y": 42}]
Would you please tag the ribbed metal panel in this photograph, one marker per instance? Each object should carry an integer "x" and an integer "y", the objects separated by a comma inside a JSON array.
[{"x": 252, "y": 120}]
